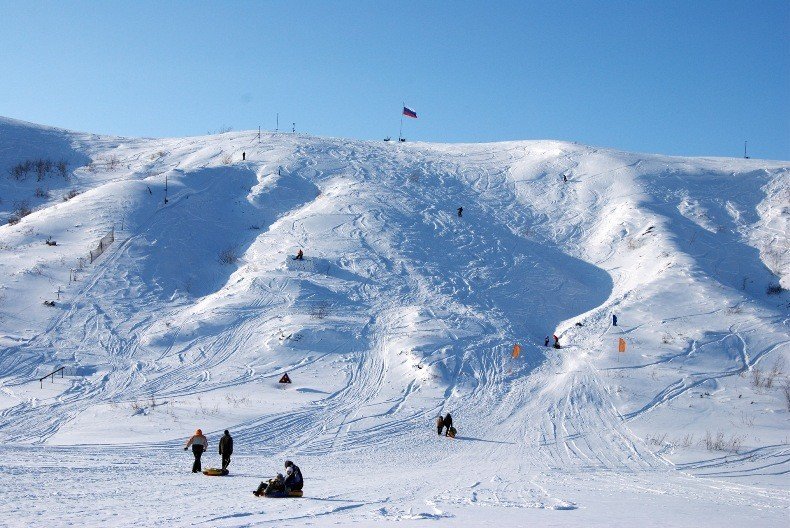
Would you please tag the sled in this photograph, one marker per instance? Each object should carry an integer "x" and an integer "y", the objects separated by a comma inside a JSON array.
[
  {"x": 215, "y": 472},
  {"x": 282, "y": 494},
  {"x": 451, "y": 432}
]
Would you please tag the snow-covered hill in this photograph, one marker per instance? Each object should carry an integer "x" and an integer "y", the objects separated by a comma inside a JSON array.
[{"x": 402, "y": 309}]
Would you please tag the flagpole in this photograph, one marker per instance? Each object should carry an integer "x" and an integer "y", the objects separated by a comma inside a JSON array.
[{"x": 400, "y": 132}]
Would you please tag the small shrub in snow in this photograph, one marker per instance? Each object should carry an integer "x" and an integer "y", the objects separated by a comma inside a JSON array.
[
  {"x": 63, "y": 169},
  {"x": 786, "y": 390},
  {"x": 757, "y": 377},
  {"x": 20, "y": 171},
  {"x": 71, "y": 194},
  {"x": 13, "y": 219},
  {"x": 773, "y": 289},
  {"x": 776, "y": 372},
  {"x": 22, "y": 209},
  {"x": 41, "y": 192},
  {"x": 228, "y": 159},
  {"x": 718, "y": 442},
  {"x": 229, "y": 255},
  {"x": 43, "y": 166}
]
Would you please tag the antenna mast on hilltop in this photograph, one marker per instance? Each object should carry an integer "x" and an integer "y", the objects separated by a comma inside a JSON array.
[{"x": 744, "y": 150}]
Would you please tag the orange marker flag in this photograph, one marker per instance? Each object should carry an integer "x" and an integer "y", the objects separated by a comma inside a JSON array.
[
  {"x": 621, "y": 345},
  {"x": 516, "y": 350}
]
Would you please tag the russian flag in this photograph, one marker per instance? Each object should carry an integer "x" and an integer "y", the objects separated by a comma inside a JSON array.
[{"x": 408, "y": 112}]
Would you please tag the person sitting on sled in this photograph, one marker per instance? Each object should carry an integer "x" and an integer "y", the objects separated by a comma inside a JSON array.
[{"x": 277, "y": 484}]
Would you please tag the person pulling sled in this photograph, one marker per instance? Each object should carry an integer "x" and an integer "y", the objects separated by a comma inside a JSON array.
[{"x": 199, "y": 444}]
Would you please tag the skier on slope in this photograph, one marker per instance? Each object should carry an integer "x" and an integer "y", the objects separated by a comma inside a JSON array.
[
  {"x": 199, "y": 444},
  {"x": 546, "y": 341},
  {"x": 299, "y": 255},
  {"x": 614, "y": 320},
  {"x": 460, "y": 212},
  {"x": 226, "y": 449}
]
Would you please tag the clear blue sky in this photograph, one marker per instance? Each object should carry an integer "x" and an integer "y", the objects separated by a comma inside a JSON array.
[{"x": 690, "y": 77}]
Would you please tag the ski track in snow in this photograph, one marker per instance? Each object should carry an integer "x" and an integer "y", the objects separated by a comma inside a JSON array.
[{"x": 402, "y": 310}]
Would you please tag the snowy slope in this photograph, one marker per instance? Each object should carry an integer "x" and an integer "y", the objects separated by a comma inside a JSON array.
[{"x": 400, "y": 311}]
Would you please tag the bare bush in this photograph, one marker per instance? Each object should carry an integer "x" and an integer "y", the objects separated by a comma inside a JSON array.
[
  {"x": 20, "y": 171},
  {"x": 718, "y": 442},
  {"x": 229, "y": 255},
  {"x": 43, "y": 166},
  {"x": 320, "y": 310},
  {"x": 22, "y": 209},
  {"x": 757, "y": 377},
  {"x": 227, "y": 159},
  {"x": 774, "y": 288},
  {"x": 71, "y": 194},
  {"x": 112, "y": 162},
  {"x": 777, "y": 371},
  {"x": 63, "y": 169},
  {"x": 786, "y": 391},
  {"x": 41, "y": 192}
]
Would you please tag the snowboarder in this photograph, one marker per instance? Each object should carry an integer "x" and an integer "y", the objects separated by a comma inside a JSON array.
[
  {"x": 614, "y": 320},
  {"x": 460, "y": 212},
  {"x": 243, "y": 156},
  {"x": 565, "y": 178},
  {"x": 199, "y": 444},
  {"x": 546, "y": 341},
  {"x": 226, "y": 448},
  {"x": 439, "y": 424},
  {"x": 299, "y": 255},
  {"x": 556, "y": 341},
  {"x": 448, "y": 423}
]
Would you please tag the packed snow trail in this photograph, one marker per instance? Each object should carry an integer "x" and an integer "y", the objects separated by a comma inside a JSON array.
[{"x": 402, "y": 310}]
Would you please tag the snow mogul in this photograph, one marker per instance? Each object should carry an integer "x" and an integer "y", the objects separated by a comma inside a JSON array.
[{"x": 288, "y": 486}]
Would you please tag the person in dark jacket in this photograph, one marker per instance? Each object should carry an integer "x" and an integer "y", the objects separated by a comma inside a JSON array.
[
  {"x": 299, "y": 255},
  {"x": 448, "y": 422},
  {"x": 546, "y": 341},
  {"x": 460, "y": 211},
  {"x": 293, "y": 477},
  {"x": 226, "y": 448},
  {"x": 556, "y": 341},
  {"x": 614, "y": 320},
  {"x": 439, "y": 424}
]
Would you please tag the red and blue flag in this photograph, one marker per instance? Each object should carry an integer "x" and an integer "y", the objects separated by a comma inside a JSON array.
[{"x": 408, "y": 112}]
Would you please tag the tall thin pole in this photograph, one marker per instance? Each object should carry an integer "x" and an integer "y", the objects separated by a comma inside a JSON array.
[
  {"x": 278, "y": 122},
  {"x": 744, "y": 150},
  {"x": 400, "y": 132}
]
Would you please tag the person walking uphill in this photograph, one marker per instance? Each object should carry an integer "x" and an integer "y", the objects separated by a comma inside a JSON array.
[
  {"x": 199, "y": 444},
  {"x": 226, "y": 448},
  {"x": 439, "y": 424},
  {"x": 448, "y": 423}
]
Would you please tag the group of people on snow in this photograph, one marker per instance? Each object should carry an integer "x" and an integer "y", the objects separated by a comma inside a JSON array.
[
  {"x": 199, "y": 444},
  {"x": 292, "y": 481},
  {"x": 445, "y": 423}
]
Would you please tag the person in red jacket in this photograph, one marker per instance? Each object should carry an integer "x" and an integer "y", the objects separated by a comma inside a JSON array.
[{"x": 199, "y": 444}]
